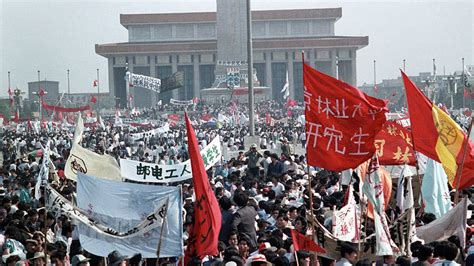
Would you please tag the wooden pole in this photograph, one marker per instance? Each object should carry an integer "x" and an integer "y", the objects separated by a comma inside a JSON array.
[
  {"x": 456, "y": 197},
  {"x": 161, "y": 234}
]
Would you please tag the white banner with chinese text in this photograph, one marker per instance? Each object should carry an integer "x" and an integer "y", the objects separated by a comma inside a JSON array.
[
  {"x": 149, "y": 133},
  {"x": 182, "y": 103},
  {"x": 155, "y": 173},
  {"x": 121, "y": 207}
]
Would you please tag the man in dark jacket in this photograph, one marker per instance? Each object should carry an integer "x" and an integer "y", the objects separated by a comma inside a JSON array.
[
  {"x": 227, "y": 218},
  {"x": 245, "y": 218}
]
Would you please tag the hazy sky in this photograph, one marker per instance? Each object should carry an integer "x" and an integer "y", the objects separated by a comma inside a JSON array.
[{"x": 53, "y": 36}]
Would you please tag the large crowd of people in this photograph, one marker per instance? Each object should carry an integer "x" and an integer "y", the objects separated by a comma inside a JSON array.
[{"x": 264, "y": 190}]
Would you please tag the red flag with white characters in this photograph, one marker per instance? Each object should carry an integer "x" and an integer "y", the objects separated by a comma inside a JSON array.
[
  {"x": 394, "y": 145},
  {"x": 341, "y": 122}
]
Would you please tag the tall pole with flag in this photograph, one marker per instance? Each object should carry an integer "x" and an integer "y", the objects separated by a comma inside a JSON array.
[
  {"x": 40, "y": 98},
  {"x": 10, "y": 93},
  {"x": 98, "y": 94},
  {"x": 250, "y": 70},
  {"x": 68, "y": 88},
  {"x": 462, "y": 80}
]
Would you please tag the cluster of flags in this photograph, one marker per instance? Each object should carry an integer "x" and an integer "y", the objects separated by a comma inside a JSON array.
[{"x": 343, "y": 124}]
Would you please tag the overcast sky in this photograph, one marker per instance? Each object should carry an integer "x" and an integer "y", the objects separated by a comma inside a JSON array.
[{"x": 55, "y": 35}]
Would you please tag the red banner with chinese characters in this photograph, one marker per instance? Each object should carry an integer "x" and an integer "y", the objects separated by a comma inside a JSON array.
[
  {"x": 394, "y": 145},
  {"x": 204, "y": 235},
  {"x": 341, "y": 122}
]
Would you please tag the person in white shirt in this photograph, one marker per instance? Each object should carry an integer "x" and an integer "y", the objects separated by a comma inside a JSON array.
[
  {"x": 348, "y": 256},
  {"x": 277, "y": 187}
]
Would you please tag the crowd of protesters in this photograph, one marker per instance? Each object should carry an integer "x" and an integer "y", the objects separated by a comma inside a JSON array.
[{"x": 263, "y": 189}]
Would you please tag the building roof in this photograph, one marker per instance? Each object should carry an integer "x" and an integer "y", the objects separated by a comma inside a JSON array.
[
  {"x": 200, "y": 17},
  {"x": 211, "y": 46}
]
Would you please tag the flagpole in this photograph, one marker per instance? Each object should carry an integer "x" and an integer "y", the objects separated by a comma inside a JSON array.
[
  {"x": 404, "y": 65},
  {"x": 161, "y": 234},
  {"x": 464, "y": 85},
  {"x": 40, "y": 98},
  {"x": 10, "y": 94},
  {"x": 417, "y": 167},
  {"x": 68, "y": 87},
  {"x": 296, "y": 259},
  {"x": 250, "y": 71},
  {"x": 313, "y": 219},
  {"x": 98, "y": 94},
  {"x": 337, "y": 67},
  {"x": 375, "y": 75},
  {"x": 456, "y": 196}
]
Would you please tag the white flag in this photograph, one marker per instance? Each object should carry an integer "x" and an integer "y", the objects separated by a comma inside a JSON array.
[
  {"x": 454, "y": 222},
  {"x": 404, "y": 190},
  {"x": 44, "y": 171},
  {"x": 88, "y": 162},
  {"x": 434, "y": 189},
  {"x": 79, "y": 130},
  {"x": 286, "y": 88},
  {"x": 344, "y": 221},
  {"x": 373, "y": 188}
]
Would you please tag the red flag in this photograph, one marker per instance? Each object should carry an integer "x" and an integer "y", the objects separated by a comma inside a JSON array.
[
  {"x": 93, "y": 99},
  {"x": 290, "y": 103},
  {"x": 302, "y": 242},
  {"x": 466, "y": 93},
  {"x": 341, "y": 122},
  {"x": 394, "y": 145},
  {"x": 95, "y": 83},
  {"x": 173, "y": 117},
  {"x": 204, "y": 235},
  {"x": 17, "y": 116},
  {"x": 439, "y": 137},
  {"x": 42, "y": 92},
  {"x": 206, "y": 117},
  {"x": 268, "y": 119},
  {"x": 467, "y": 112}
]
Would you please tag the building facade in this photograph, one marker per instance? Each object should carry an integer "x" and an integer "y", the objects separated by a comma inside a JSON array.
[
  {"x": 51, "y": 89},
  {"x": 198, "y": 44}
]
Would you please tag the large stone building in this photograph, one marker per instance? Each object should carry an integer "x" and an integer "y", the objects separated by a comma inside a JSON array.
[
  {"x": 199, "y": 44},
  {"x": 51, "y": 89}
]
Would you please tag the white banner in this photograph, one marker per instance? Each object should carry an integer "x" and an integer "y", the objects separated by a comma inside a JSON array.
[
  {"x": 178, "y": 102},
  {"x": 121, "y": 206},
  {"x": 149, "y": 133},
  {"x": 155, "y": 173},
  {"x": 454, "y": 222},
  {"x": 60, "y": 205},
  {"x": 147, "y": 82},
  {"x": 345, "y": 226}
]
